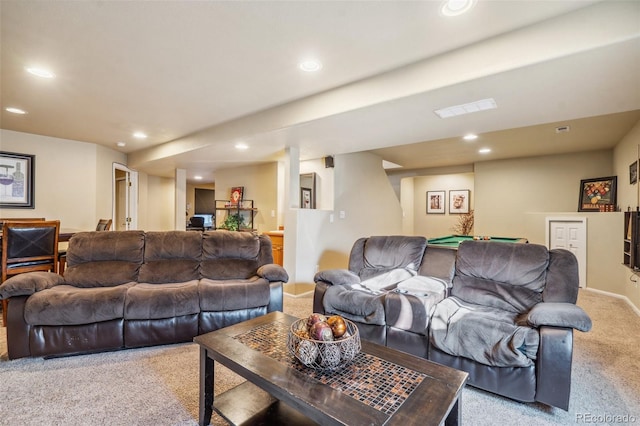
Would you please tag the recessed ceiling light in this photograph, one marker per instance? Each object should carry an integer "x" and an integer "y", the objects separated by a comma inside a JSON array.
[
  {"x": 197, "y": 177},
  {"x": 310, "y": 65},
  {"x": 139, "y": 135},
  {"x": 475, "y": 106},
  {"x": 121, "y": 144},
  {"x": 456, "y": 7},
  {"x": 242, "y": 146},
  {"x": 484, "y": 150},
  {"x": 40, "y": 72},
  {"x": 15, "y": 110},
  {"x": 470, "y": 137}
]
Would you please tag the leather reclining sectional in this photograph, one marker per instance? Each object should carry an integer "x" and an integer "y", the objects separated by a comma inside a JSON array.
[
  {"x": 502, "y": 312},
  {"x": 127, "y": 289}
]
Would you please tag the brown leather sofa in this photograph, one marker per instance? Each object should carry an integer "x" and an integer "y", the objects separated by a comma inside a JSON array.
[
  {"x": 502, "y": 312},
  {"x": 126, "y": 289}
]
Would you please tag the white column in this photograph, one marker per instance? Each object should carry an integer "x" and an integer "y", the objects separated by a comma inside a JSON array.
[{"x": 180, "y": 199}]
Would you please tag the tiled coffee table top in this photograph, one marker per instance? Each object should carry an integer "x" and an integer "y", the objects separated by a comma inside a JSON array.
[{"x": 376, "y": 382}]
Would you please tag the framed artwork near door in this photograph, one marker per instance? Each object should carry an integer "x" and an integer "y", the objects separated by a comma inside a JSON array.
[{"x": 598, "y": 194}]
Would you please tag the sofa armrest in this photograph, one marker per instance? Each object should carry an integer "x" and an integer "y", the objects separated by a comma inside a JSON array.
[
  {"x": 28, "y": 283},
  {"x": 553, "y": 366},
  {"x": 273, "y": 272},
  {"x": 276, "y": 298},
  {"x": 565, "y": 315},
  {"x": 336, "y": 277}
]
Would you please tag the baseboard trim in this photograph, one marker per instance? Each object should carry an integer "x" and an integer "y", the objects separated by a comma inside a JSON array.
[{"x": 617, "y": 296}]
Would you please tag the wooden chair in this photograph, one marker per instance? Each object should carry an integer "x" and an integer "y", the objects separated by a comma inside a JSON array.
[
  {"x": 103, "y": 225},
  {"x": 28, "y": 246},
  {"x": 20, "y": 219}
]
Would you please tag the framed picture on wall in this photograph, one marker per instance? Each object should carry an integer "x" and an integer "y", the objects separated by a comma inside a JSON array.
[
  {"x": 598, "y": 194},
  {"x": 459, "y": 201},
  {"x": 16, "y": 180},
  {"x": 237, "y": 193},
  {"x": 633, "y": 173},
  {"x": 435, "y": 202}
]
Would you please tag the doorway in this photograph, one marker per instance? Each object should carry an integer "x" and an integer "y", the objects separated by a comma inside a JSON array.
[
  {"x": 125, "y": 198},
  {"x": 570, "y": 233}
]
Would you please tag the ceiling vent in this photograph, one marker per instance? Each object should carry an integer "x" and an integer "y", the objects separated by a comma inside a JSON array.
[
  {"x": 476, "y": 106},
  {"x": 563, "y": 129}
]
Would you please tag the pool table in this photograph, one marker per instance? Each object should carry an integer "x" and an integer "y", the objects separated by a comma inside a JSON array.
[{"x": 453, "y": 241}]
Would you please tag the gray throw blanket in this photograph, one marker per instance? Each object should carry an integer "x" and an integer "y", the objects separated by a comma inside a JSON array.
[{"x": 484, "y": 334}]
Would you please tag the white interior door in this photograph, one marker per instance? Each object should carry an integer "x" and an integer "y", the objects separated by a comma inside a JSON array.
[
  {"x": 570, "y": 234},
  {"x": 121, "y": 205},
  {"x": 125, "y": 198}
]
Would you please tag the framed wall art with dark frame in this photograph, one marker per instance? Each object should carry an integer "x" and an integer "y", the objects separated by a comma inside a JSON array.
[
  {"x": 598, "y": 194},
  {"x": 459, "y": 201},
  {"x": 237, "y": 195},
  {"x": 633, "y": 173},
  {"x": 17, "y": 187},
  {"x": 436, "y": 202}
]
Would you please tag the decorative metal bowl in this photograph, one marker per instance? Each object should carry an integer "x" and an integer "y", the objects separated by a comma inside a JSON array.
[{"x": 321, "y": 355}]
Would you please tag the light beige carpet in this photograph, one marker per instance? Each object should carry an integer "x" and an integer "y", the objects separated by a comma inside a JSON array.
[{"x": 159, "y": 385}]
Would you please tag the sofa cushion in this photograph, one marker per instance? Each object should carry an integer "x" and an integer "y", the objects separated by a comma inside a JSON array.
[
  {"x": 500, "y": 275},
  {"x": 230, "y": 255},
  {"x": 378, "y": 254},
  {"x": 103, "y": 259},
  {"x": 68, "y": 305},
  {"x": 487, "y": 335},
  {"x": 156, "y": 301},
  {"x": 233, "y": 294},
  {"x": 171, "y": 257}
]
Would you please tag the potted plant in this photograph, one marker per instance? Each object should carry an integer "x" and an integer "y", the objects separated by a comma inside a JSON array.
[{"x": 233, "y": 222}]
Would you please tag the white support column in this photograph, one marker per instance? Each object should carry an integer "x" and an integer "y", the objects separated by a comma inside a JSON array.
[
  {"x": 180, "y": 199},
  {"x": 292, "y": 204}
]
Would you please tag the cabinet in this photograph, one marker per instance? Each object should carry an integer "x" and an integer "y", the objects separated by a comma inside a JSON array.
[
  {"x": 632, "y": 240},
  {"x": 229, "y": 216},
  {"x": 277, "y": 246}
]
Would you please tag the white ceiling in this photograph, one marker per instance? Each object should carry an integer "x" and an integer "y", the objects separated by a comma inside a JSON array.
[{"x": 200, "y": 76}]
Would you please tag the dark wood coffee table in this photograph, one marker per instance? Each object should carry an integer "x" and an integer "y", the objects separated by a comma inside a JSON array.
[{"x": 381, "y": 386}]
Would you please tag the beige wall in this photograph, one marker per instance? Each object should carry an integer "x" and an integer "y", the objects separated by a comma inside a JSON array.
[
  {"x": 72, "y": 179},
  {"x": 260, "y": 185},
  {"x": 324, "y": 182},
  {"x": 624, "y": 154},
  {"x": 434, "y": 225},
  {"x": 158, "y": 214},
  {"x": 323, "y": 239},
  {"x": 507, "y": 189}
]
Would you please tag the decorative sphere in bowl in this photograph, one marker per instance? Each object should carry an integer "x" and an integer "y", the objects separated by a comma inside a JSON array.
[{"x": 324, "y": 343}]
